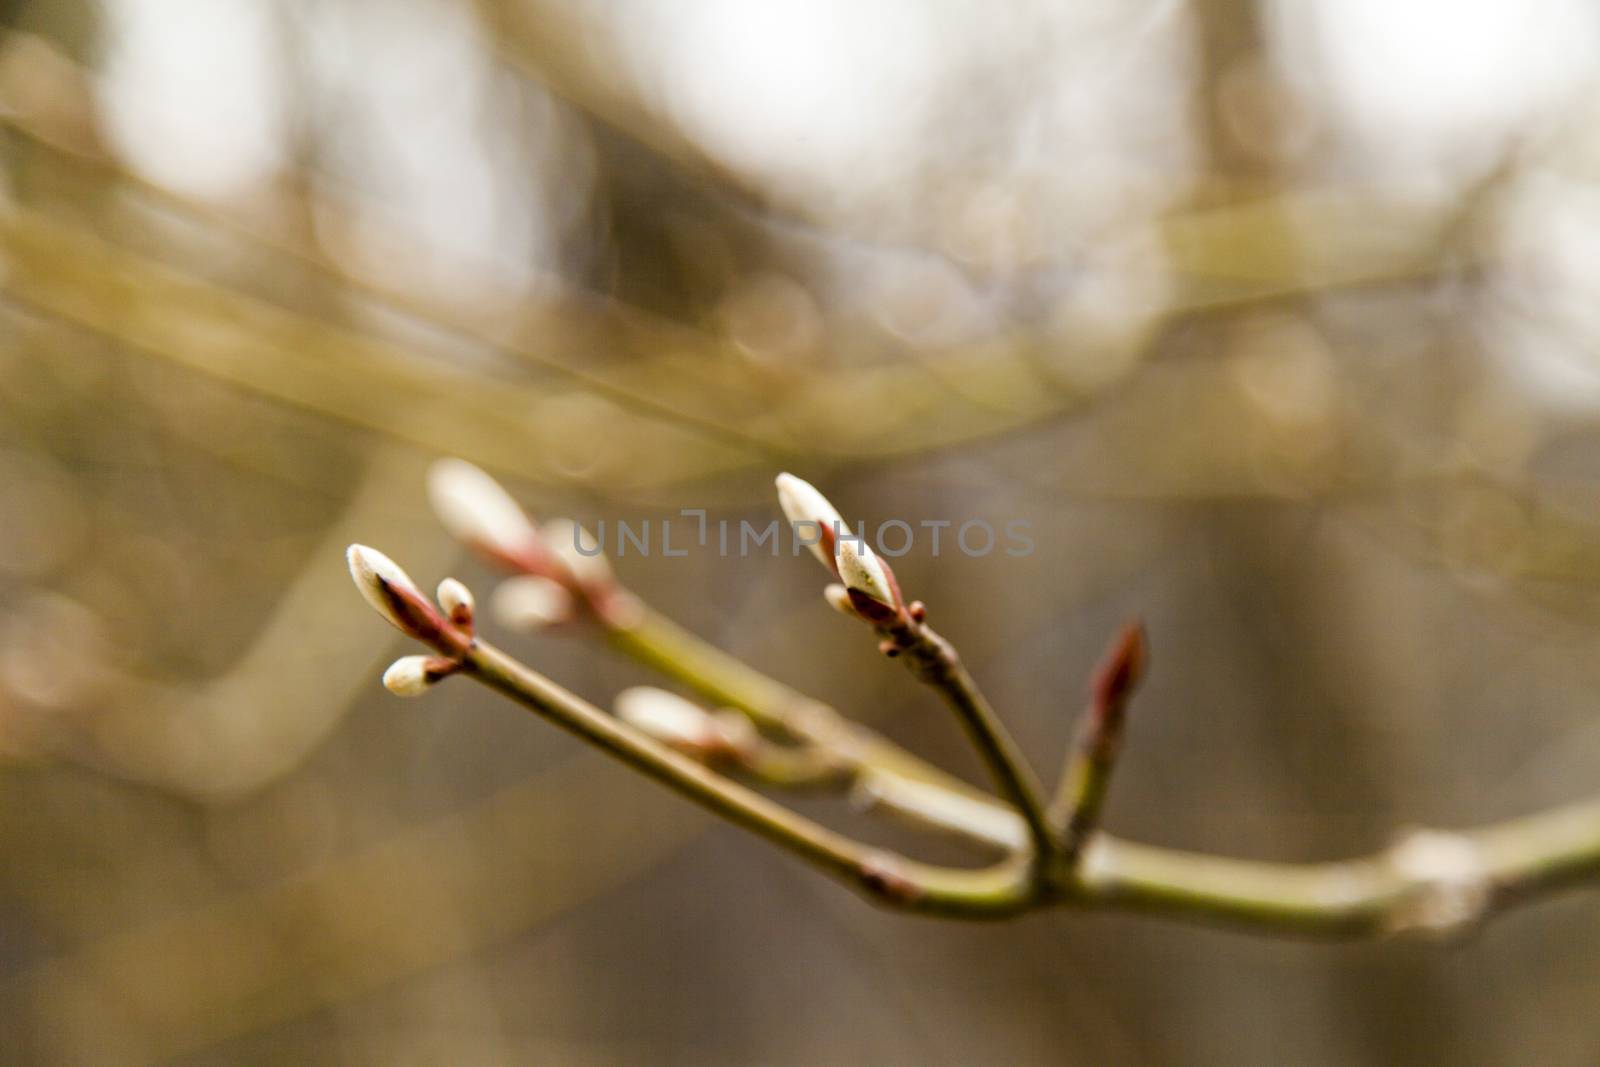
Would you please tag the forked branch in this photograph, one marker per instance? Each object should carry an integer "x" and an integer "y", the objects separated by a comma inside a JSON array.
[{"x": 1428, "y": 881}]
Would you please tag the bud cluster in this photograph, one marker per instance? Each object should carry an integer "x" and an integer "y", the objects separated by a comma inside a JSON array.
[
  {"x": 447, "y": 627},
  {"x": 867, "y": 588},
  {"x": 559, "y": 569}
]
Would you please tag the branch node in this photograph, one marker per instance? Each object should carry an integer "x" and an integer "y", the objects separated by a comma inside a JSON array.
[
  {"x": 1448, "y": 887},
  {"x": 884, "y": 877}
]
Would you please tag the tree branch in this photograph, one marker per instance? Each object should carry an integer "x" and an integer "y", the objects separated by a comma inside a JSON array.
[
  {"x": 485, "y": 518},
  {"x": 1430, "y": 882},
  {"x": 887, "y": 877},
  {"x": 878, "y": 773},
  {"x": 871, "y": 593}
]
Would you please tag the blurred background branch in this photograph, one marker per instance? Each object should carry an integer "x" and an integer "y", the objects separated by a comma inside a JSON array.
[{"x": 1276, "y": 321}]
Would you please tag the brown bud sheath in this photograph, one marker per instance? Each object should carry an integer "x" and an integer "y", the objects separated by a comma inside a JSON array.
[
  {"x": 1119, "y": 674},
  {"x": 393, "y": 594}
]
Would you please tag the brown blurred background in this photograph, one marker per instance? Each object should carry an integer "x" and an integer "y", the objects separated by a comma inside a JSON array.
[{"x": 1279, "y": 321}]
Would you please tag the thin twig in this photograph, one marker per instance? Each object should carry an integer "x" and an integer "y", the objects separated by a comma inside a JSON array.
[
  {"x": 1082, "y": 793},
  {"x": 652, "y": 639},
  {"x": 887, "y": 877},
  {"x": 1429, "y": 881},
  {"x": 935, "y": 661}
]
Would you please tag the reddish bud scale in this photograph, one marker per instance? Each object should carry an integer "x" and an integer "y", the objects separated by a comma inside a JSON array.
[
  {"x": 457, "y": 602},
  {"x": 883, "y": 875},
  {"x": 536, "y": 560},
  {"x": 871, "y": 610},
  {"x": 533, "y": 558},
  {"x": 894, "y": 583},
  {"x": 829, "y": 540},
  {"x": 1119, "y": 673},
  {"x": 413, "y": 614},
  {"x": 439, "y": 667}
]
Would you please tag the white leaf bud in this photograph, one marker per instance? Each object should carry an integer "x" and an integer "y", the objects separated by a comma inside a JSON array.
[
  {"x": 410, "y": 676},
  {"x": 530, "y": 603},
  {"x": 667, "y": 717},
  {"x": 864, "y": 572},
  {"x": 372, "y": 571},
  {"x": 457, "y": 601},
  {"x": 838, "y": 599},
  {"x": 477, "y": 510},
  {"x": 802, "y": 503}
]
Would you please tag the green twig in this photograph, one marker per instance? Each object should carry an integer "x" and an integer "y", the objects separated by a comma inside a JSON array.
[
  {"x": 1087, "y": 778},
  {"x": 935, "y": 661},
  {"x": 887, "y": 877}
]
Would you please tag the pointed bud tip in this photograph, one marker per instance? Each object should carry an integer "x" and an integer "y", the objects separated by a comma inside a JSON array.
[
  {"x": 477, "y": 509},
  {"x": 1122, "y": 668},
  {"x": 393, "y": 595},
  {"x": 456, "y": 600},
  {"x": 371, "y": 570},
  {"x": 801, "y": 502}
]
